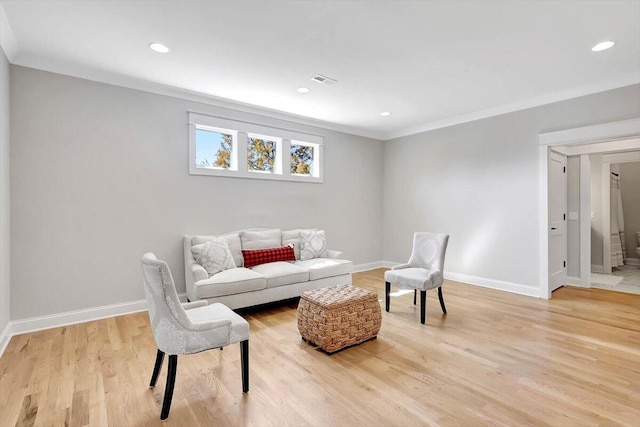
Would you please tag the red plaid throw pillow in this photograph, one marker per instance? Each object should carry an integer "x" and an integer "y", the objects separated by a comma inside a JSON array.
[{"x": 263, "y": 256}]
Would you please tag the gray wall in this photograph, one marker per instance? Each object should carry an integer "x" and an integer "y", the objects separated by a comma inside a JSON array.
[
  {"x": 573, "y": 226},
  {"x": 630, "y": 190},
  {"x": 478, "y": 182},
  {"x": 99, "y": 176},
  {"x": 5, "y": 259}
]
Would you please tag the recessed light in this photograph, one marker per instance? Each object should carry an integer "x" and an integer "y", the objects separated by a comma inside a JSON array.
[
  {"x": 602, "y": 46},
  {"x": 385, "y": 114},
  {"x": 158, "y": 47},
  {"x": 303, "y": 90}
]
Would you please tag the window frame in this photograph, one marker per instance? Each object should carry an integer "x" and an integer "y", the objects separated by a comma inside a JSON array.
[
  {"x": 234, "y": 147},
  {"x": 241, "y": 131}
]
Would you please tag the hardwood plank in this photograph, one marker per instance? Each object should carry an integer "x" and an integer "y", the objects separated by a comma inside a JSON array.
[{"x": 495, "y": 359}]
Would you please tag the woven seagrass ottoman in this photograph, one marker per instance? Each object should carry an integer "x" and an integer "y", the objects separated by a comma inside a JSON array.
[{"x": 338, "y": 317}]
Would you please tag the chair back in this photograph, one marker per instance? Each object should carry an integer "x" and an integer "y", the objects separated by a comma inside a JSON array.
[
  {"x": 168, "y": 318},
  {"x": 429, "y": 250}
]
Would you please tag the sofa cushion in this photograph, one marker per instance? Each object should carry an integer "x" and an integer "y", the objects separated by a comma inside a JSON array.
[
  {"x": 281, "y": 273},
  {"x": 263, "y": 256},
  {"x": 292, "y": 237},
  {"x": 264, "y": 239},
  {"x": 228, "y": 282},
  {"x": 319, "y": 268},
  {"x": 233, "y": 240},
  {"x": 214, "y": 255},
  {"x": 313, "y": 244}
]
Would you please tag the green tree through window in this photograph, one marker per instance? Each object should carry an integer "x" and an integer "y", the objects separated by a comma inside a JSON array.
[
  {"x": 301, "y": 159},
  {"x": 261, "y": 154},
  {"x": 223, "y": 156}
]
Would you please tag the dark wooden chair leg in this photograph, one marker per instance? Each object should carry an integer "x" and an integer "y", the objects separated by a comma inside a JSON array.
[
  {"x": 244, "y": 361},
  {"x": 444, "y": 309},
  {"x": 423, "y": 305},
  {"x": 156, "y": 368},
  {"x": 415, "y": 292},
  {"x": 171, "y": 381},
  {"x": 387, "y": 291}
]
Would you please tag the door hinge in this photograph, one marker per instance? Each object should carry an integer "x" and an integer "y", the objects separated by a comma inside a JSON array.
[
  {"x": 564, "y": 217},
  {"x": 564, "y": 169},
  {"x": 564, "y": 264}
]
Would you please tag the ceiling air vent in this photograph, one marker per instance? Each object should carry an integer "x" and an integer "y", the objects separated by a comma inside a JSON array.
[{"x": 323, "y": 79}]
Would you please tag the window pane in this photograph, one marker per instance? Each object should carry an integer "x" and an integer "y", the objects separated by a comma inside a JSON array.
[
  {"x": 301, "y": 159},
  {"x": 213, "y": 149},
  {"x": 261, "y": 154}
]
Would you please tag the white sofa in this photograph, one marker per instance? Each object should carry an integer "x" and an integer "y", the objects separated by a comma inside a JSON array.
[{"x": 245, "y": 287}]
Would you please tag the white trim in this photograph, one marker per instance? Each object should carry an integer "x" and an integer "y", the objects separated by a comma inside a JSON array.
[
  {"x": 70, "y": 69},
  {"x": 7, "y": 37},
  {"x": 499, "y": 285},
  {"x": 596, "y": 269},
  {"x": 585, "y": 219},
  {"x": 590, "y": 134},
  {"x": 543, "y": 215},
  {"x": 632, "y": 261},
  {"x": 606, "y": 217},
  {"x": 39, "y": 323},
  {"x": 368, "y": 266},
  {"x": 583, "y": 135},
  {"x": 101, "y": 76},
  {"x": 5, "y": 337},
  {"x": 576, "y": 92},
  {"x": 242, "y": 130},
  {"x": 628, "y": 157}
]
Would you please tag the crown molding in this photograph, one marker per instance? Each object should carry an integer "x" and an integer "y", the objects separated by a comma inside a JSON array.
[
  {"x": 94, "y": 74},
  {"x": 563, "y": 95},
  {"x": 7, "y": 38}
]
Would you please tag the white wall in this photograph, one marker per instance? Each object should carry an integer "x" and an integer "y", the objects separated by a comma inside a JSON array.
[
  {"x": 630, "y": 190},
  {"x": 5, "y": 259},
  {"x": 478, "y": 182},
  {"x": 573, "y": 226},
  {"x": 99, "y": 176}
]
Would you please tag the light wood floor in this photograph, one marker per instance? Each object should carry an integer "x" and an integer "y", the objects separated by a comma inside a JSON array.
[{"x": 495, "y": 359}]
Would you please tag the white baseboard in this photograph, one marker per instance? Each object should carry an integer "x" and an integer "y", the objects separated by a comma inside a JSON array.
[
  {"x": 499, "y": 285},
  {"x": 597, "y": 268},
  {"x": 632, "y": 261},
  {"x": 368, "y": 266},
  {"x": 5, "y": 337},
  {"x": 32, "y": 324},
  {"x": 485, "y": 283}
]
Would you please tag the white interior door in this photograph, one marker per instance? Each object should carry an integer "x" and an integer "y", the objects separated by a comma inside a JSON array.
[{"x": 557, "y": 220}]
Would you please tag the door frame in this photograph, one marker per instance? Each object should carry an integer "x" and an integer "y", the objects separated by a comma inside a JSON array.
[
  {"x": 576, "y": 136},
  {"x": 607, "y": 161}
]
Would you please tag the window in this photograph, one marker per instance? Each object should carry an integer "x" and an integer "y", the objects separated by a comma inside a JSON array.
[
  {"x": 224, "y": 147},
  {"x": 262, "y": 152},
  {"x": 215, "y": 148},
  {"x": 303, "y": 162}
]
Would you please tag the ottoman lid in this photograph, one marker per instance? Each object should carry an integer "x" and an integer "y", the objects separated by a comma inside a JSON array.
[{"x": 337, "y": 296}]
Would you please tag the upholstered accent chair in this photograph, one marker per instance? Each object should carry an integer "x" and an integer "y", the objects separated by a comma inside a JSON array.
[
  {"x": 422, "y": 272},
  {"x": 187, "y": 328}
]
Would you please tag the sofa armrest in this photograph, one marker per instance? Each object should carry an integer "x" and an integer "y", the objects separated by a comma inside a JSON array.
[
  {"x": 334, "y": 254},
  {"x": 194, "y": 304},
  {"x": 400, "y": 266},
  {"x": 199, "y": 273}
]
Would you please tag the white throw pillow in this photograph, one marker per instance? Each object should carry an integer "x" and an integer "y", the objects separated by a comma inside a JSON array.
[
  {"x": 292, "y": 237},
  {"x": 313, "y": 244},
  {"x": 233, "y": 240},
  {"x": 214, "y": 256}
]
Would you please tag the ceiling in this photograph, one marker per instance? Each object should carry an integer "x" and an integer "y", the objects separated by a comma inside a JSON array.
[{"x": 430, "y": 64}]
